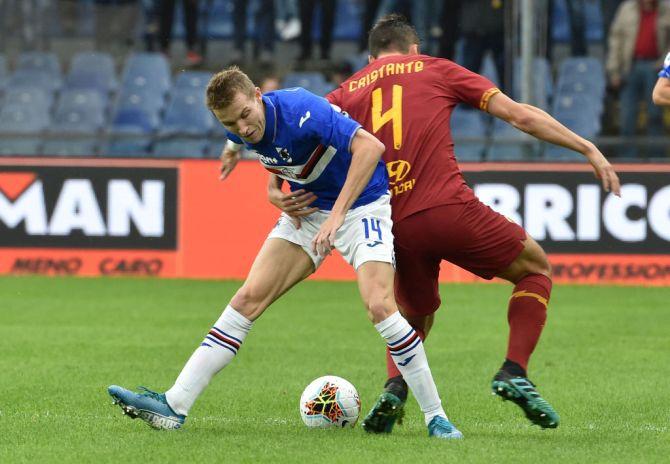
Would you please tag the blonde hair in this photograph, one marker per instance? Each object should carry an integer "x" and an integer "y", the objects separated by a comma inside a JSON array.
[{"x": 225, "y": 85}]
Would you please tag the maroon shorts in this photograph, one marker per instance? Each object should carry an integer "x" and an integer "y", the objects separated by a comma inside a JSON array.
[{"x": 470, "y": 235}]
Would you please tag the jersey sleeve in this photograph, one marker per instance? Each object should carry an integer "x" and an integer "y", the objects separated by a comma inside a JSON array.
[
  {"x": 335, "y": 96},
  {"x": 665, "y": 72},
  {"x": 466, "y": 86},
  {"x": 326, "y": 122}
]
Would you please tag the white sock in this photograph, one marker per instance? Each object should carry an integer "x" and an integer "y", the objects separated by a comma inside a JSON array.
[
  {"x": 408, "y": 353},
  {"x": 215, "y": 352}
]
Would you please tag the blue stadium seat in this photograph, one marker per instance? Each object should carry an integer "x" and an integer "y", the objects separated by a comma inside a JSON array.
[
  {"x": 78, "y": 120},
  {"x": 193, "y": 79},
  {"x": 141, "y": 98},
  {"x": 556, "y": 153},
  {"x": 92, "y": 70},
  {"x": 180, "y": 148},
  {"x": 22, "y": 119},
  {"x": 70, "y": 147},
  {"x": 578, "y": 113},
  {"x": 510, "y": 144},
  {"x": 136, "y": 147},
  {"x": 75, "y": 98},
  {"x": 587, "y": 70},
  {"x": 347, "y": 20},
  {"x": 312, "y": 81},
  {"x": 147, "y": 70},
  {"x": 583, "y": 91},
  {"x": 134, "y": 121},
  {"x": 467, "y": 126},
  {"x": 30, "y": 96},
  {"x": 24, "y": 146},
  {"x": 46, "y": 62},
  {"x": 34, "y": 78},
  {"x": 187, "y": 114},
  {"x": 4, "y": 75},
  {"x": 543, "y": 83}
]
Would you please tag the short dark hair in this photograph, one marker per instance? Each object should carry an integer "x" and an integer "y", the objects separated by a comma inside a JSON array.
[
  {"x": 392, "y": 32},
  {"x": 224, "y": 86}
]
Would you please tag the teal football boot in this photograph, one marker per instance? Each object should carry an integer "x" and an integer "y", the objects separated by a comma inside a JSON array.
[{"x": 150, "y": 406}]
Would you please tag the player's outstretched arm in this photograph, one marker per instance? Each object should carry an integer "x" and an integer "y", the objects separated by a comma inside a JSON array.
[
  {"x": 541, "y": 125},
  {"x": 366, "y": 151},
  {"x": 661, "y": 94},
  {"x": 230, "y": 155}
]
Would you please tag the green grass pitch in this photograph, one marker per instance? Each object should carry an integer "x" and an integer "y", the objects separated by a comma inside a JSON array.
[{"x": 603, "y": 362}]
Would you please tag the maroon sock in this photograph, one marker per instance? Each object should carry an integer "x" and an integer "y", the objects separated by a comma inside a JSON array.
[
  {"x": 526, "y": 314},
  {"x": 391, "y": 368}
]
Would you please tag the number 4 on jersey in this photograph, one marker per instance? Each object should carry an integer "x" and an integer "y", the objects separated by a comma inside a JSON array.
[{"x": 393, "y": 114}]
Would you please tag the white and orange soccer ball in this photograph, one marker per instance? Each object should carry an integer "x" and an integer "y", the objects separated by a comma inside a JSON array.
[{"x": 330, "y": 401}]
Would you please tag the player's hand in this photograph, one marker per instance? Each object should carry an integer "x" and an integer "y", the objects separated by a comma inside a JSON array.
[
  {"x": 324, "y": 241},
  {"x": 604, "y": 171},
  {"x": 295, "y": 204},
  {"x": 229, "y": 159}
]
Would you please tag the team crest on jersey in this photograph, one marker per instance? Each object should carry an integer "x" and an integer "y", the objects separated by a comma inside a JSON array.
[{"x": 284, "y": 154}]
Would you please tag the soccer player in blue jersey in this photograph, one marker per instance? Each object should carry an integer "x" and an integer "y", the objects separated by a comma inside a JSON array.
[
  {"x": 661, "y": 94},
  {"x": 309, "y": 143}
]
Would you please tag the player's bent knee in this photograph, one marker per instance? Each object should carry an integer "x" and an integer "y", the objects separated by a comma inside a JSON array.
[
  {"x": 248, "y": 303},
  {"x": 380, "y": 308}
]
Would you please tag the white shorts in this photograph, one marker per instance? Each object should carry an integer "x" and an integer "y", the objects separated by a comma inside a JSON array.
[{"x": 365, "y": 235}]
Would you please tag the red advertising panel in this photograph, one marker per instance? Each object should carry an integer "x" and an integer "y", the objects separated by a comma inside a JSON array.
[{"x": 176, "y": 219}]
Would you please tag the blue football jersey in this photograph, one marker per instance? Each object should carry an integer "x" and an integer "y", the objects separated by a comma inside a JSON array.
[
  {"x": 665, "y": 72},
  {"x": 307, "y": 142}
]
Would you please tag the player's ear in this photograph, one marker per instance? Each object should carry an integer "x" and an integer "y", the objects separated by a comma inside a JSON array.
[
  {"x": 258, "y": 94},
  {"x": 413, "y": 49},
  {"x": 371, "y": 59}
]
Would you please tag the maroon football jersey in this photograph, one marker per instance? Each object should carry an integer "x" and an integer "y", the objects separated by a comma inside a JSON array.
[{"x": 406, "y": 102}]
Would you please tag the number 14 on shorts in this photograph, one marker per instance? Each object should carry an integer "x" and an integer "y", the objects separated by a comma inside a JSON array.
[{"x": 371, "y": 226}]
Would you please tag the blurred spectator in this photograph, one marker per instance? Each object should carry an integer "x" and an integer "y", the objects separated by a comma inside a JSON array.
[
  {"x": 166, "y": 12},
  {"x": 151, "y": 25},
  {"x": 264, "y": 41},
  {"x": 451, "y": 10},
  {"x": 638, "y": 36},
  {"x": 269, "y": 83},
  {"x": 608, "y": 10},
  {"x": 287, "y": 23},
  {"x": 424, "y": 14},
  {"x": 307, "y": 8},
  {"x": 116, "y": 25},
  {"x": 577, "y": 18},
  {"x": 370, "y": 8},
  {"x": 25, "y": 19},
  {"x": 482, "y": 30},
  {"x": 340, "y": 72}
]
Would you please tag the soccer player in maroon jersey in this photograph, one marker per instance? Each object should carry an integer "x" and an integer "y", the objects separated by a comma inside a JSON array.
[{"x": 406, "y": 100}]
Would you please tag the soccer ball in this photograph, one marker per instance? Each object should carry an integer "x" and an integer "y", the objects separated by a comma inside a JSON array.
[{"x": 330, "y": 401}]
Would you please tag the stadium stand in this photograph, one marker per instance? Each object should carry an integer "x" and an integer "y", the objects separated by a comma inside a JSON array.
[
  {"x": 192, "y": 79},
  {"x": 94, "y": 71},
  {"x": 181, "y": 148},
  {"x": 187, "y": 114},
  {"x": 3, "y": 72},
  {"x": 510, "y": 144},
  {"x": 469, "y": 131},
  {"x": 147, "y": 71},
  {"x": 70, "y": 147}
]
